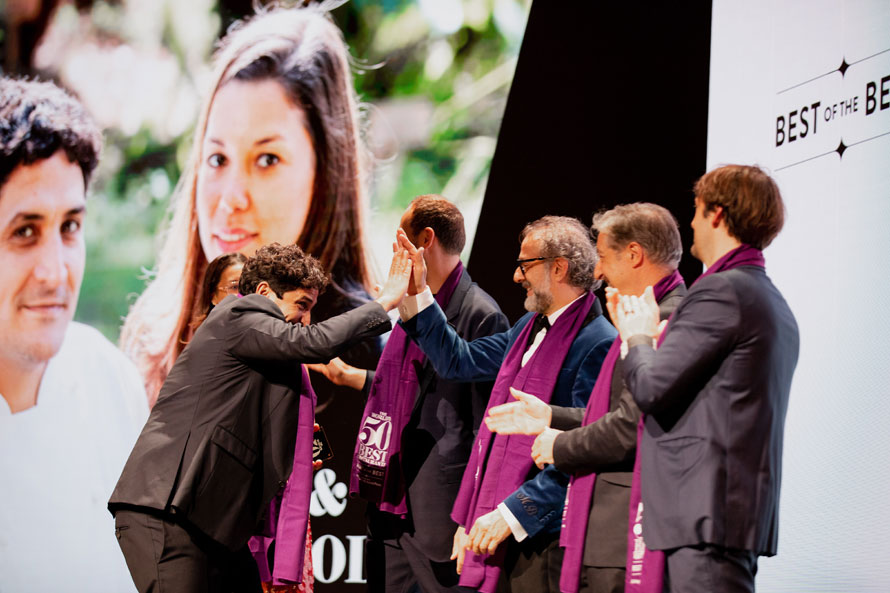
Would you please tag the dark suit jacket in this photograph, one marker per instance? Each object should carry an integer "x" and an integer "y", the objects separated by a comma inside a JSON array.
[
  {"x": 715, "y": 395},
  {"x": 607, "y": 447},
  {"x": 437, "y": 441},
  {"x": 538, "y": 502},
  {"x": 219, "y": 443}
]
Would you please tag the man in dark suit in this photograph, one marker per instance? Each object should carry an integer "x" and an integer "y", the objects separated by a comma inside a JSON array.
[
  {"x": 638, "y": 246},
  {"x": 220, "y": 442},
  {"x": 715, "y": 393},
  {"x": 503, "y": 499},
  {"x": 411, "y": 531}
]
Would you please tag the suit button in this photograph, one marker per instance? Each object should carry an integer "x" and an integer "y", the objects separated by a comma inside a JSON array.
[{"x": 282, "y": 483}]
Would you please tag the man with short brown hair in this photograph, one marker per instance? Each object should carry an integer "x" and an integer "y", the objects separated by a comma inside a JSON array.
[
  {"x": 715, "y": 393},
  {"x": 411, "y": 478}
]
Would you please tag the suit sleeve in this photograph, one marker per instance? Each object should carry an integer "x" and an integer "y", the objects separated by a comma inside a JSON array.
[
  {"x": 699, "y": 336},
  {"x": 602, "y": 445},
  {"x": 492, "y": 323},
  {"x": 563, "y": 418},
  {"x": 265, "y": 337},
  {"x": 538, "y": 502},
  {"x": 454, "y": 358}
]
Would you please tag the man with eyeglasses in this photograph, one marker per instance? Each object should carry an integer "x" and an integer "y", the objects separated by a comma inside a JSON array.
[{"x": 556, "y": 350}]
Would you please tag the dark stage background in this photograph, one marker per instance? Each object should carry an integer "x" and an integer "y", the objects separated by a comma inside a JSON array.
[{"x": 609, "y": 105}]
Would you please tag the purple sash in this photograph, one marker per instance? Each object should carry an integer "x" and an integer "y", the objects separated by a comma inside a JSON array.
[
  {"x": 580, "y": 493},
  {"x": 645, "y": 567},
  {"x": 287, "y": 518},
  {"x": 499, "y": 464},
  {"x": 377, "y": 464}
]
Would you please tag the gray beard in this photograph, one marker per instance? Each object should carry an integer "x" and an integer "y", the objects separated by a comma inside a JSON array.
[{"x": 538, "y": 302}]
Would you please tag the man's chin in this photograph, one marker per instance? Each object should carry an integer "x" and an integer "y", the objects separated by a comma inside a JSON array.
[
  {"x": 39, "y": 345},
  {"x": 533, "y": 304}
]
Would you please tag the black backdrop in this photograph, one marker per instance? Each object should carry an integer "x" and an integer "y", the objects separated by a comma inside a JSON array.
[{"x": 609, "y": 105}]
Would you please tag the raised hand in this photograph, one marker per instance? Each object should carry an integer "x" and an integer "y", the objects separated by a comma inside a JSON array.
[
  {"x": 528, "y": 415},
  {"x": 396, "y": 285},
  {"x": 638, "y": 315},
  {"x": 418, "y": 277}
]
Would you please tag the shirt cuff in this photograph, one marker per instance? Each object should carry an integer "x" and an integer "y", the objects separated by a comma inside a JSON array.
[
  {"x": 411, "y": 305},
  {"x": 519, "y": 532}
]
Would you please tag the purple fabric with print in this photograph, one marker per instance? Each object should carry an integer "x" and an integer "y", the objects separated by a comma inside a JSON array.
[
  {"x": 287, "y": 517},
  {"x": 580, "y": 492},
  {"x": 645, "y": 567},
  {"x": 499, "y": 464},
  {"x": 377, "y": 474}
]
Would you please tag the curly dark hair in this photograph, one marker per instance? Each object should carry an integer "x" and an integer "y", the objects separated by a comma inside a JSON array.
[
  {"x": 37, "y": 119},
  {"x": 285, "y": 268}
]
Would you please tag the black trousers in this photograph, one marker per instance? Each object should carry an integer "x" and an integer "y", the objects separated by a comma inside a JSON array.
[
  {"x": 532, "y": 566},
  {"x": 705, "y": 568},
  {"x": 164, "y": 557},
  {"x": 596, "y": 579},
  {"x": 396, "y": 564}
]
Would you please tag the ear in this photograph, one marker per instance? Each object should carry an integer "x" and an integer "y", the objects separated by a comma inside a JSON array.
[
  {"x": 559, "y": 269},
  {"x": 263, "y": 288},
  {"x": 718, "y": 216},
  {"x": 635, "y": 253},
  {"x": 425, "y": 238}
]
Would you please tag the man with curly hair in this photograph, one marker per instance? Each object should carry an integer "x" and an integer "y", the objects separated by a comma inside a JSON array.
[
  {"x": 72, "y": 404},
  {"x": 233, "y": 423}
]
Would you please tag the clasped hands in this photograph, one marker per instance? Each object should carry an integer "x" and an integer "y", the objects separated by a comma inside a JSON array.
[{"x": 634, "y": 315}]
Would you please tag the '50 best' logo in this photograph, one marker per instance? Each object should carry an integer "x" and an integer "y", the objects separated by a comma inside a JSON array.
[{"x": 374, "y": 438}]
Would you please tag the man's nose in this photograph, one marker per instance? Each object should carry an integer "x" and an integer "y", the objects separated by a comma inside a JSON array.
[
  {"x": 518, "y": 276},
  {"x": 51, "y": 269},
  {"x": 598, "y": 270}
]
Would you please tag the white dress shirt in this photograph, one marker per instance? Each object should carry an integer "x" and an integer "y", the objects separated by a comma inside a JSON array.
[{"x": 60, "y": 461}]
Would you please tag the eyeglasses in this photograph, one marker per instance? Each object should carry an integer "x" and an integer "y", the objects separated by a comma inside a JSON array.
[
  {"x": 230, "y": 288},
  {"x": 521, "y": 262}
]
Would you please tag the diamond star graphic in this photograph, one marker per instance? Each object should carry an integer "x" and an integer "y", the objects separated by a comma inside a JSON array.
[
  {"x": 843, "y": 67},
  {"x": 841, "y": 148}
]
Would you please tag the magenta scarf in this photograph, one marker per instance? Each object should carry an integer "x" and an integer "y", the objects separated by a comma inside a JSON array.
[
  {"x": 645, "y": 567},
  {"x": 377, "y": 474},
  {"x": 580, "y": 493},
  {"x": 287, "y": 518},
  {"x": 499, "y": 464}
]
